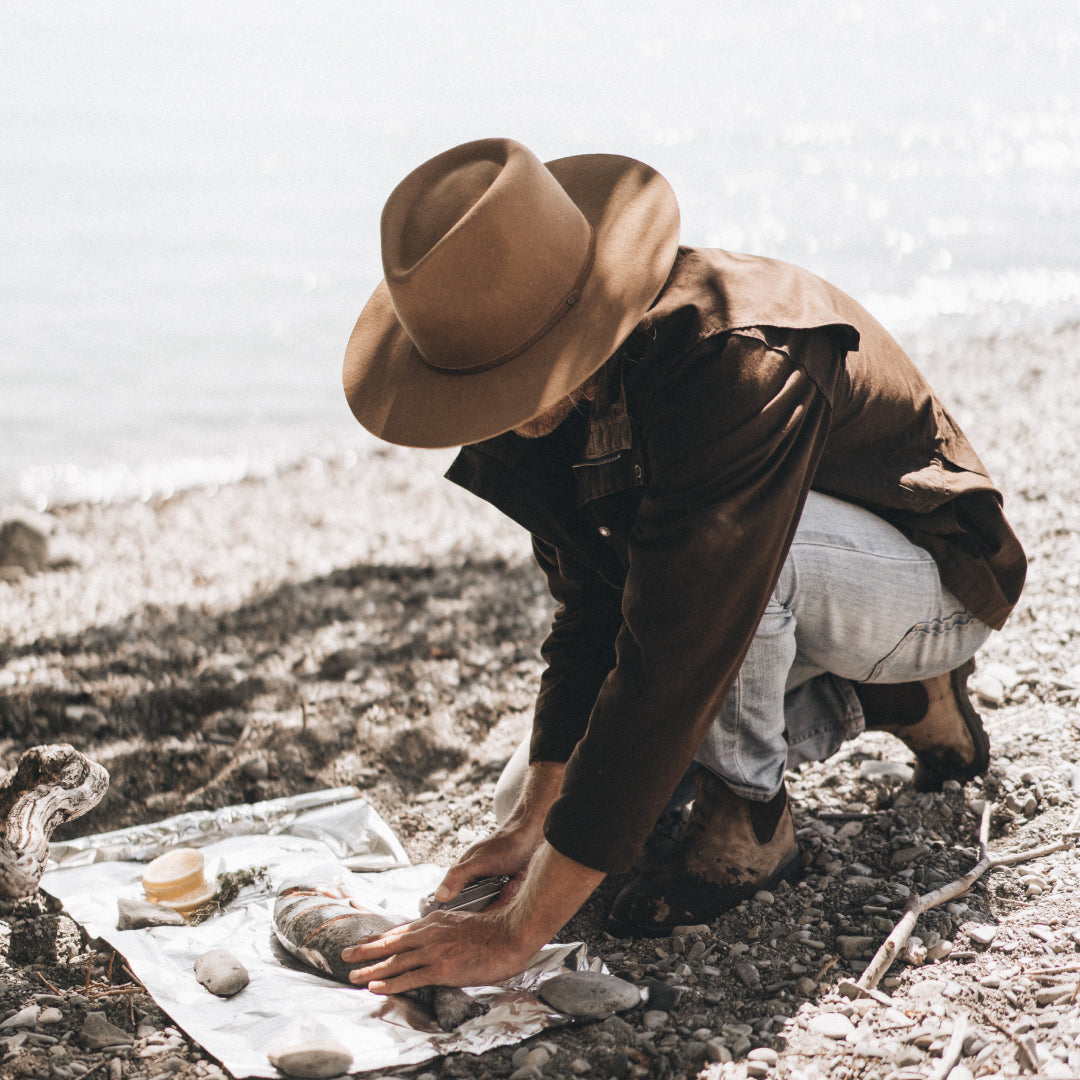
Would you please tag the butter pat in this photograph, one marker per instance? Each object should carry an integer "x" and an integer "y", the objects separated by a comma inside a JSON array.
[{"x": 177, "y": 880}]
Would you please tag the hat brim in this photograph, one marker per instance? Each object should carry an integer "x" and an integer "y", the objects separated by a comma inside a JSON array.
[{"x": 400, "y": 398}]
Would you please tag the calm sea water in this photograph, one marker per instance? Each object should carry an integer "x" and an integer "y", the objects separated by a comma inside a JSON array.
[{"x": 189, "y": 193}]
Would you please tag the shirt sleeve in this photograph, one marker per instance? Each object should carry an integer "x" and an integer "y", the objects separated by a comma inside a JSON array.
[
  {"x": 731, "y": 437},
  {"x": 579, "y": 652}
]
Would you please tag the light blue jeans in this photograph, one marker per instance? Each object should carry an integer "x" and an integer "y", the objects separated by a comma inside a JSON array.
[{"x": 856, "y": 602}]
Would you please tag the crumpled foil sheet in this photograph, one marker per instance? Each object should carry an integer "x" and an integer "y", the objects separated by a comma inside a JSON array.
[
  {"x": 338, "y": 817},
  {"x": 323, "y": 837}
]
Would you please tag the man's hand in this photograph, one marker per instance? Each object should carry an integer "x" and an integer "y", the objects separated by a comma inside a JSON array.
[
  {"x": 477, "y": 948},
  {"x": 506, "y": 853}
]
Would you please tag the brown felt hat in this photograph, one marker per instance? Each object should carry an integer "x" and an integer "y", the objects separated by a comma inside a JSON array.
[{"x": 508, "y": 283}]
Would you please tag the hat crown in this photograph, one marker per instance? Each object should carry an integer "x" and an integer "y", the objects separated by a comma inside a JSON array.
[{"x": 483, "y": 251}]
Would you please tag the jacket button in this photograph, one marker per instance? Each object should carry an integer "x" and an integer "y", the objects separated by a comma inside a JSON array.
[{"x": 604, "y": 531}]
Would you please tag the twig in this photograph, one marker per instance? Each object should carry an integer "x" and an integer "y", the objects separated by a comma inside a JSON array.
[
  {"x": 953, "y": 1050},
  {"x": 46, "y": 982},
  {"x": 919, "y": 905},
  {"x": 825, "y": 967}
]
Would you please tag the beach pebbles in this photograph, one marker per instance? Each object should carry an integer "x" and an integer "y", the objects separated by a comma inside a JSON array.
[
  {"x": 139, "y": 914},
  {"x": 317, "y": 1060},
  {"x": 221, "y": 973},
  {"x": 589, "y": 994}
]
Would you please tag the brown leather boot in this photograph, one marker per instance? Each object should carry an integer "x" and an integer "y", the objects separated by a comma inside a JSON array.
[
  {"x": 729, "y": 849},
  {"x": 935, "y": 719}
]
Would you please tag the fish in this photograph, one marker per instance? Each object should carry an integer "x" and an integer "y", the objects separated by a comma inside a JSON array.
[{"x": 314, "y": 923}]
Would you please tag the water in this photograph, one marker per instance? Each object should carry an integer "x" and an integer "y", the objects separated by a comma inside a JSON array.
[{"x": 189, "y": 193}]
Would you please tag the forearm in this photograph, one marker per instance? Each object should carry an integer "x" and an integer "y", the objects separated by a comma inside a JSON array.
[{"x": 555, "y": 887}]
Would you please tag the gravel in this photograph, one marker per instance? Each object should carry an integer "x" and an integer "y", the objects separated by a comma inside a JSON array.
[{"x": 361, "y": 621}]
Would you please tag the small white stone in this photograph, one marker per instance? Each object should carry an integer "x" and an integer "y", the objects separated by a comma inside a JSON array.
[
  {"x": 764, "y": 1054},
  {"x": 884, "y": 771},
  {"x": 832, "y": 1025},
  {"x": 221, "y": 973},
  {"x": 51, "y": 1015},
  {"x": 316, "y": 1060},
  {"x": 982, "y": 933}
]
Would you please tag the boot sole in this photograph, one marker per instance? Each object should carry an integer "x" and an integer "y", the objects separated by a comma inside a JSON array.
[
  {"x": 928, "y": 778},
  {"x": 789, "y": 870}
]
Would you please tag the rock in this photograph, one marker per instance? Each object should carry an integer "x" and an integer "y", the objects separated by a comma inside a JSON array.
[
  {"x": 805, "y": 986},
  {"x": 1048, "y": 995},
  {"x": 51, "y": 1015},
  {"x": 139, "y": 914},
  {"x": 697, "y": 930},
  {"x": 589, "y": 994},
  {"x": 886, "y": 770},
  {"x": 652, "y": 1019},
  {"x": 26, "y": 1017},
  {"x": 222, "y": 974},
  {"x": 314, "y": 1060},
  {"x": 832, "y": 1025},
  {"x": 718, "y": 1050},
  {"x": 24, "y": 546},
  {"x": 982, "y": 933},
  {"x": 97, "y": 1033},
  {"x": 662, "y": 995},
  {"x": 748, "y": 975},
  {"x": 764, "y": 1054},
  {"x": 939, "y": 950},
  {"x": 853, "y": 946}
]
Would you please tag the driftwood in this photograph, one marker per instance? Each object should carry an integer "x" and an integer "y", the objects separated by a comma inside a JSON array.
[
  {"x": 919, "y": 905},
  {"x": 50, "y": 785}
]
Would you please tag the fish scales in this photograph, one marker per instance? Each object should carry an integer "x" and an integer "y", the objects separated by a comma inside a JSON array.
[{"x": 316, "y": 923}]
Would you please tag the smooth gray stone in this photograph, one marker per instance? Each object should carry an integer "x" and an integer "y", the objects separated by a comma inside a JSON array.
[
  {"x": 139, "y": 914},
  {"x": 589, "y": 994},
  {"x": 316, "y": 1060},
  {"x": 97, "y": 1033},
  {"x": 221, "y": 973}
]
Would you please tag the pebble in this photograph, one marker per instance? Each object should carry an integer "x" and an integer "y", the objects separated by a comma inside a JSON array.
[
  {"x": 748, "y": 975},
  {"x": 886, "y": 770},
  {"x": 852, "y": 946},
  {"x": 26, "y": 1017},
  {"x": 315, "y": 1060},
  {"x": 589, "y": 994},
  {"x": 97, "y": 1033},
  {"x": 764, "y": 1054},
  {"x": 139, "y": 914},
  {"x": 652, "y": 1019},
  {"x": 221, "y": 973},
  {"x": 52, "y": 1015},
  {"x": 982, "y": 933},
  {"x": 832, "y": 1025}
]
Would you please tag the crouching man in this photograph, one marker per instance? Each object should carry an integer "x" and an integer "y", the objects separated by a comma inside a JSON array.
[{"x": 763, "y": 531}]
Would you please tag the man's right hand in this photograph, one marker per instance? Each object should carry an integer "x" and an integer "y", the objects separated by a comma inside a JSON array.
[{"x": 506, "y": 853}]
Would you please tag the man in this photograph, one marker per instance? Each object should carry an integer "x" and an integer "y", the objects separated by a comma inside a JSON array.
[{"x": 762, "y": 529}]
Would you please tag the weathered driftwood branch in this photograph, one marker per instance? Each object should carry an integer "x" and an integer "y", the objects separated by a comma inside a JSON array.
[
  {"x": 953, "y": 1051},
  {"x": 919, "y": 905},
  {"x": 50, "y": 785}
]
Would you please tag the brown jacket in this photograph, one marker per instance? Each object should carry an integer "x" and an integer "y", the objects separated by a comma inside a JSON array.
[{"x": 662, "y": 520}]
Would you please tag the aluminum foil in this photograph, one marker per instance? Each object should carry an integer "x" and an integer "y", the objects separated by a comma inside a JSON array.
[
  {"x": 338, "y": 819},
  {"x": 321, "y": 837}
]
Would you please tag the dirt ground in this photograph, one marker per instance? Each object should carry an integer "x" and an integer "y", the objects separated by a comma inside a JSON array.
[{"x": 363, "y": 622}]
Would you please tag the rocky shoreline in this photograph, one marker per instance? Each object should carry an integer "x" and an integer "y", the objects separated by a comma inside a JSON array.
[{"x": 363, "y": 622}]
